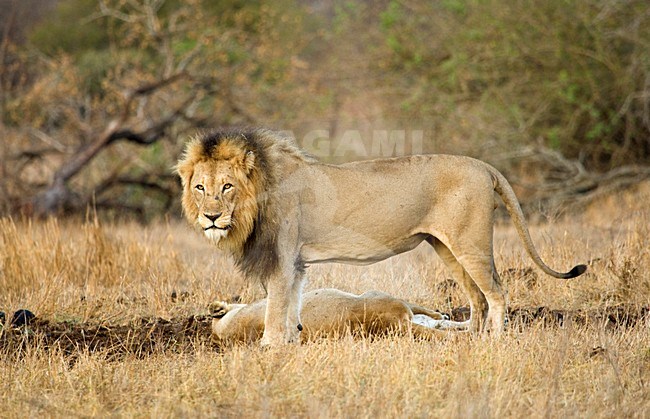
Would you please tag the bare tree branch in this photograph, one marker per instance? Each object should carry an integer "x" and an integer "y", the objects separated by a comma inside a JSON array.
[
  {"x": 149, "y": 181},
  {"x": 58, "y": 196},
  {"x": 150, "y": 87},
  {"x": 566, "y": 181}
]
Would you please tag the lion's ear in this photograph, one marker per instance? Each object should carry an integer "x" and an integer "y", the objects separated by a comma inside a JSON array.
[
  {"x": 185, "y": 172},
  {"x": 249, "y": 161}
]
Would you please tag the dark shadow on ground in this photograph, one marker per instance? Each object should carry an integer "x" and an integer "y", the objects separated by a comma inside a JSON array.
[{"x": 149, "y": 336}]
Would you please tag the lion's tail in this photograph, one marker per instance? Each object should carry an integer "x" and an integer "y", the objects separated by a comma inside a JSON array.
[{"x": 503, "y": 188}]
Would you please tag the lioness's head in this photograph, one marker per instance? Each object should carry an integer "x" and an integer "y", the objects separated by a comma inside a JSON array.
[{"x": 221, "y": 179}]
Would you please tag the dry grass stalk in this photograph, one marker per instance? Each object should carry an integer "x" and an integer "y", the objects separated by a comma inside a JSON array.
[{"x": 112, "y": 276}]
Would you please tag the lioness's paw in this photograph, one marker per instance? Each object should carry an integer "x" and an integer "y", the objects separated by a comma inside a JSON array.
[
  {"x": 439, "y": 316},
  {"x": 218, "y": 309}
]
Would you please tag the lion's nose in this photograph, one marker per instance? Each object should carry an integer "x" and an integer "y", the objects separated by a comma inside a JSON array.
[{"x": 212, "y": 217}]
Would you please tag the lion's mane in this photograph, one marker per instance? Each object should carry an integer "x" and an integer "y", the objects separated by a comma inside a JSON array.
[{"x": 253, "y": 238}]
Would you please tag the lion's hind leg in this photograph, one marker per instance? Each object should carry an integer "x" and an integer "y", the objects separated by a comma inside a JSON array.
[
  {"x": 480, "y": 268},
  {"x": 478, "y": 302}
]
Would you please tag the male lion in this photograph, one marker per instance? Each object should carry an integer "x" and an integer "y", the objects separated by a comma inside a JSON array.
[
  {"x": 331, "y": 312},
  {"x": 276, "y": 210}
]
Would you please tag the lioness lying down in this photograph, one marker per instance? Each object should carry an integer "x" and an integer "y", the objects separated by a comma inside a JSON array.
[{"x": 331, "y": 312}]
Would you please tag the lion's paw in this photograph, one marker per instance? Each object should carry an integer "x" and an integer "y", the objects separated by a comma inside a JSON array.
[{"x": 218, "y": 309}]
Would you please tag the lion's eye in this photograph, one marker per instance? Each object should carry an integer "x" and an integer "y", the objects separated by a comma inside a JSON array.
[
  {"x": 199, "y": 187},
  {"x": 227, "y": 186}
]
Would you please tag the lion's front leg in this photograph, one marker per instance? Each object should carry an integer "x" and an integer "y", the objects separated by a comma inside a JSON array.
[
  {"x": 282, "y": 318},
  {"x": 294, "y": 326},
  {"x": 275, "y": 318}
]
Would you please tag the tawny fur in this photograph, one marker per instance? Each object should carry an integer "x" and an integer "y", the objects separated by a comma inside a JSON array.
[
  {"x": 277, "y": 211},
  {"x": 330, "y": 313}
]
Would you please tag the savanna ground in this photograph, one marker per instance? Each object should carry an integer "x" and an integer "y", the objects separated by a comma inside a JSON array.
[{"x": 120, "y": 328}]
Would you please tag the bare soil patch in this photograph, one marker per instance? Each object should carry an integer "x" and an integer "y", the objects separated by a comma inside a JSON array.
[
  {"x": 150, "y": 335},
  {"x": 143, "y": 337}
]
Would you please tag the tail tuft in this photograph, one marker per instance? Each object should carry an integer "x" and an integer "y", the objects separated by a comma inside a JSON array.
[{"x": 576, "y": 271}]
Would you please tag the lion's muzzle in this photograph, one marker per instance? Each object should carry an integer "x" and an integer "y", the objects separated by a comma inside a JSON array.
[
  {"x": 216, "y": 221},
  {"x": 212, "y": 217},
  {"x": 215, "y": 226}
]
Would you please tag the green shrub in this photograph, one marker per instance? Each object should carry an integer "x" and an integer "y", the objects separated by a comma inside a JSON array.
[{"x": 576, "y": 71}]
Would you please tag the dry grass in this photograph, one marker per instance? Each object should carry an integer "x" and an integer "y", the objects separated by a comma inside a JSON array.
[{"x": 93, "y": 274}]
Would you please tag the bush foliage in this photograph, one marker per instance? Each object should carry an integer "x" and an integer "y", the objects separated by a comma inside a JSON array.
[{"x": 571, "y": 73}]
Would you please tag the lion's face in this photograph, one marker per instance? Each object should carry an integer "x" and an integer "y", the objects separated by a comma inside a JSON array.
[
  {"x": 219, "y": 196},
  {"x": 215, "y": 190}
]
